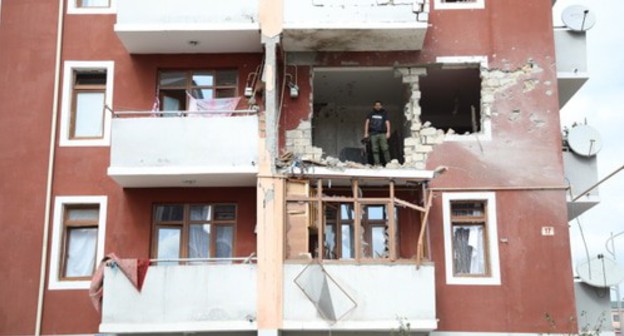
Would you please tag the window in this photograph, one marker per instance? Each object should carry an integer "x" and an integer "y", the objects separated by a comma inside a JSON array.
[
  {"x": 92, "y": 3},
  {"x": 175, "y": 86},
  {"x": 91, "y": 7},
  {"x": 87, "y": 90},
  {"x": 339, "y": 231},
  {"x": 80, "y": 227},
  {"x": 194, "y": 231},
  {"x": 459, "y": 4},
  {"x": 77, "y": 241},
  {"x": 88, "y": 99},
  {"x": 470, "y": 236}
]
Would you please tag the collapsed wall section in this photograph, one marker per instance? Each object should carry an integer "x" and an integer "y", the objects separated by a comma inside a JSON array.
[{"x": 420, "y": 136}]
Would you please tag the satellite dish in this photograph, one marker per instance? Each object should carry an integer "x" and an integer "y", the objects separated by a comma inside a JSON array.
[
  {"x": 578, "y": 18},
  {"x": 584, "y": 140},
  {"x": 600, "y": 272}
]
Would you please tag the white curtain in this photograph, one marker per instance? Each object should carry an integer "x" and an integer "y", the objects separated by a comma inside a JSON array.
[
  {"x": 81, "y": 248},
  {"x": 469, "y": 251},
  {"x": 95, "y": 3},
  {"x": 225, "y": 237},
  {"x": 89, "y": 114},
  {"x": 199, "y": 241}
]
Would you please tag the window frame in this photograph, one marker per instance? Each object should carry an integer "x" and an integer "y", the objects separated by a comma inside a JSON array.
[
  {"x": 491, "y": 254},
  {"x": 442, "y": 5},
  {"x": 188, "y": 86},
  {"x": 185, "y": 224},
  {"x": 74, "y": 8},
  {"x": 67, "y": 226},
  {"x": 76, "y": 90},
  {"x": 56, "y": 278},
  {"x": 70, "y": 70}
]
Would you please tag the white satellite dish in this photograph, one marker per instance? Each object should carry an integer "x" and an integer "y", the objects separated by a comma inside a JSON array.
[
  {"x": 584, "y": 140},
  {"x": 600, "y": 272},
  {"x": 578, "y": 18}
]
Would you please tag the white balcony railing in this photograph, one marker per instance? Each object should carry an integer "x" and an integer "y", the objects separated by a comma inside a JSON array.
[
  {"x": 184, "y": 151},
  {"x": 181, "y": 298},
  {"x": 571, "y": 55},
  {"x": 359, "y": 297},
  {"x": 188, "y": 26},
  {"x": 354, "y": 25}
]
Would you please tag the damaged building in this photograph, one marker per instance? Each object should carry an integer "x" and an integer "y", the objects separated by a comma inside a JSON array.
[{"x": 201, "y": 167}]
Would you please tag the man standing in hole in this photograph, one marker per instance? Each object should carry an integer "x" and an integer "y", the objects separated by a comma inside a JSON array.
[{"x": 377, "y": 128}]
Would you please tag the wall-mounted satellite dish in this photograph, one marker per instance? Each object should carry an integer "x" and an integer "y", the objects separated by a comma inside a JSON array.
[
  {"x": 584, "y": 140},
  {"x": 578, "y": 18},
  {"x": 600, "y": 272}
]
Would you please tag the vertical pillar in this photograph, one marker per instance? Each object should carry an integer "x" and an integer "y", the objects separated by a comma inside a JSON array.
[{"x": 270, "y": 188}]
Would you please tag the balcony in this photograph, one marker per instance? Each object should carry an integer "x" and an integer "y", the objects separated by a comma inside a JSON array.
[
  {"x": 571, "y": 54},
  {"x": 359, "y": 296},
  {"x": 181, "y": 298},
  {"x": 581, "y": 173},
  {"x": 188, "y": 26},
  {"x": 354, "y": 25},
  {"x": 188, "y": 151}
]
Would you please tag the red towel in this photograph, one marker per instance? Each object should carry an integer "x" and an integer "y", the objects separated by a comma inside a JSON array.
[{"x": 134, "y": 269}]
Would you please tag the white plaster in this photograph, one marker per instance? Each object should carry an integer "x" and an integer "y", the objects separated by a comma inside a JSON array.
[
  {"x": 73, "y": 9},
  {"x": 411, "y": 296},
  {"x": 310, "y": 26},
  {"x": 54, "y": 281},
  {"x": 440, "y": 5},
  {"x": 223, "y": 147},
  {"x": 386, "y": 173},
  {"x": 463, "y": 60},
  {"x": 185, "y": 327},
  {"x": 167, "y": 26},
  {"x": 177, "y": 298},
  {"x": 492, "y": 232},
  {"x": 268, "y": 332},
  {"x": 66, "y": 103},
  {"x": 460, "y": 333}
]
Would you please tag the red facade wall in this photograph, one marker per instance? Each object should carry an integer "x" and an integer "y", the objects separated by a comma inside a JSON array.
[
  {"x": 27, "y": 40},
  {"x": 535, "y": 270}
]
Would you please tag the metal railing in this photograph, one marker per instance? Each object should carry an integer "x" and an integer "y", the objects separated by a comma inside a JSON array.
[{"x": 246, "y": 260}]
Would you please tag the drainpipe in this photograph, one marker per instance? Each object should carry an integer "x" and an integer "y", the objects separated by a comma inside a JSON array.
[{"x": 48, "y": 201}]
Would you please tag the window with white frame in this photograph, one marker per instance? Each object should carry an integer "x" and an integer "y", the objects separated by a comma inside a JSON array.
[
  {"x": 87, "y": 91},
  {"x": 91, "y": 6},
  {"x": 79, "y": 226},
  {"x": 470, "y": 239},
  {"x": 459, "y": 4}
]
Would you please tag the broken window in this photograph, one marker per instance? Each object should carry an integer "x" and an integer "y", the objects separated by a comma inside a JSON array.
[
  {"x": 468, "y": 223},
  {"x": 351, "y": 228},
  {"x": 176, "y": 88},
  {"x": 451, "y": 99}
]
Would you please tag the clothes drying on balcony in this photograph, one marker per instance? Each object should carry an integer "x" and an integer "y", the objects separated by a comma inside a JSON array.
[
  {"x": 134, "y": 269},
  {"x": 212, "y": 107}
]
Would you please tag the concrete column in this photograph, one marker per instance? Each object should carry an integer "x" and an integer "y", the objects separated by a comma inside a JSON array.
[{"x": 270, "y": 206}]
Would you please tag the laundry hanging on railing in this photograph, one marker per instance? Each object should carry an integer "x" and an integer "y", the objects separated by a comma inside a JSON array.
[
  {"x": 134, "y": 269},
  {"x": 213, "y": 107}
]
